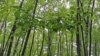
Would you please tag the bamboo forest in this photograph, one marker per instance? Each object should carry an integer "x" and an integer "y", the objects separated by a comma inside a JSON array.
[{"x": 49, "y": 27}]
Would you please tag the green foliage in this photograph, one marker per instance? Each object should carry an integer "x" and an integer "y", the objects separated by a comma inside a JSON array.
[{"x": 51, "y": 17}]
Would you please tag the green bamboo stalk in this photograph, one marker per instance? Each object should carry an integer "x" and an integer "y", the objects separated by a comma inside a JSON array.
[
  {"x": 77, "y": 31},
  {"x": 16, "y": 44},
  {"x": 49, "y": 44},
  {"x": 41, "y": 50},
  {"x": 11, "y": 36},
  {"x": 29, "y": 31},
  {"x": 71, "y": 44},
  {"x": 32, "y": 42}
]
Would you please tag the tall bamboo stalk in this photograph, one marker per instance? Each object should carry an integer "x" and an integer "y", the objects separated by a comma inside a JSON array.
[
  {"x": 11, "y": 36},
  {"x": 29, "y": 31},
  {"x": 49, "y": 44},
  {"x": 32, "y": 42}
]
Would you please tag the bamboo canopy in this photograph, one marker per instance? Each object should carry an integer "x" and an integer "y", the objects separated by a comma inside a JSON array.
[{"x": 49, "y": 27}]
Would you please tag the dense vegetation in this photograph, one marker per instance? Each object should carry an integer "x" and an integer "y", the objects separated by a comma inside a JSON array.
[{"x": 49, "y": 28}]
